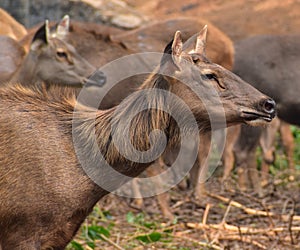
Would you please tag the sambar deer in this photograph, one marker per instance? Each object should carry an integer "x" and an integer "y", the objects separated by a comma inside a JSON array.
[
  {"x": 51, "y": 60},
  {"x": 269, "y": 63},
  {"x": 45, "y": 193}
]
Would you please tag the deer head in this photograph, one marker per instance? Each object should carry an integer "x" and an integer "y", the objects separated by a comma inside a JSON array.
[
  {"x": 53, "y": 60},
  {"x": 209, "y": 89}
]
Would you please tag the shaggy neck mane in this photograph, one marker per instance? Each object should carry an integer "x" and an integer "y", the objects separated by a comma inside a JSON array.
[{"x": 131, "y": 131}]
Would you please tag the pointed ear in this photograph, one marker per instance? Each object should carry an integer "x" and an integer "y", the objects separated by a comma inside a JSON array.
[
  {"x": 63, "y": 27},
  {"x": 41, "y": 36},
  {"x": 201, "y": 41},
  {"x": 177, "y": 48}
]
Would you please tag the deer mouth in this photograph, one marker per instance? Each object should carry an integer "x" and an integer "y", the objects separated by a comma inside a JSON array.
[{"x": 252, "y": 117}]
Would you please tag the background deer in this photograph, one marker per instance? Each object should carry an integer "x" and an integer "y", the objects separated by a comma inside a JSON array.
[
  {"x": 51, "y": 60},
  {"x": 276, "y": 75},
  {"x": 44, "y": 192}
]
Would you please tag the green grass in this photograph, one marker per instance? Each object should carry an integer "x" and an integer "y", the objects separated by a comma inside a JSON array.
[{"x": 296, "y": 134}]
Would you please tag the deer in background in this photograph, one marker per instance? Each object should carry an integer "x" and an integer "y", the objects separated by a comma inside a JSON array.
[
  {"x": 45, "y": 195},
  {"x": 269, "y": 63},
  {"x": 51, "y": 60}
]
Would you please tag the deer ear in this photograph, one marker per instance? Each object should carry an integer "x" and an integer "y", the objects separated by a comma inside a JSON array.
[
  {"x": 41, "y": 36},
  {"x": 201, "y": 41},
  {"x": 177, "y": 48},
  {"x": 63, "y": 27}
]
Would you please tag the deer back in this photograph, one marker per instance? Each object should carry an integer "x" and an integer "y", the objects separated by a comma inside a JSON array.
[{"x": 10, "y": 27}]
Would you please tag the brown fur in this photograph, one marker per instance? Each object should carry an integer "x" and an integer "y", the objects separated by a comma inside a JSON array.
[
  {"x": 10, "y": 27},
  {"x": 152, "y": 37},
  {"x": 11, "y": 57}
]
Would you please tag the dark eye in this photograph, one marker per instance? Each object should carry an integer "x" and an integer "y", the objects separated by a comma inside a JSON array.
[
  {"x": 210, "y": 76},
  {"x": 213, "y": 77},
  {"x": 195, "y": 59},
  {"x": 62, "y": 54}
]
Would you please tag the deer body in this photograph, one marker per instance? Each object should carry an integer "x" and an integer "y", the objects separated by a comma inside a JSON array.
[
  {"x": 269, "y": 63},
  {"x": 11, "y": 57},
  {"x": 273, "y": 70}
]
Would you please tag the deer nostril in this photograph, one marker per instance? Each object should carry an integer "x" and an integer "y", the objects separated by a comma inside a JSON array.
[{"x": 269, "y": 106}]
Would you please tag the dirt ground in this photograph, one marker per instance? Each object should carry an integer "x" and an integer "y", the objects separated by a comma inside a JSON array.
[{"x": 227, "y": 218}]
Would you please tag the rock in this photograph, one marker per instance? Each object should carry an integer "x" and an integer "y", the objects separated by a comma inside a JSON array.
[
  {"x": 118, "y": 13},
  {"x": 126, "y": 21}
]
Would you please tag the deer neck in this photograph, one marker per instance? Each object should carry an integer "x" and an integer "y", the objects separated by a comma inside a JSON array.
[
  {"x": 26, "y": 74},
  {"x": 120, "y": 138}
]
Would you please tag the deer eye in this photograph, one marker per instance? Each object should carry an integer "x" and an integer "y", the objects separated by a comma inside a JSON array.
[
  {"x": 62, "y": 54},
  {"x": 213, "y": 77},
  {"x": 210, "y": 76},
  {"x": 195, "y": 59}
]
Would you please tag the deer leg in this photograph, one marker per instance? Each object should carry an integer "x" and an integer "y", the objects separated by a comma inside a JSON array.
[
  {"x": 264, "y": 173},
  {"x": 198, "y": 173},
  {"x": 198, "y": 186},
  {"x": 247, "y": 172},
  {"x": 163, "y": 199},
  {"x": 242, "y": 158},
  {"x": 242, "y": 177},
  {"x": 228, "y": 155},
  {"x": 138, "y": 202},
  {"x": 253, "y": 174},
  {"x": 288, "y": 143},
  {"x": 267, "y": 141},
  {"x": 228, "y": 163}
]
